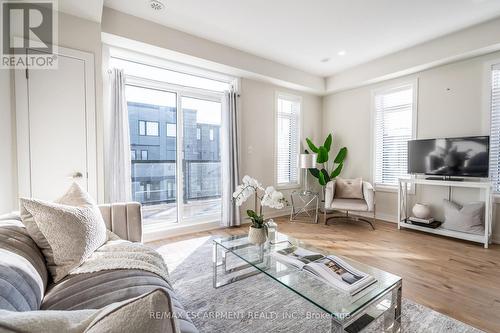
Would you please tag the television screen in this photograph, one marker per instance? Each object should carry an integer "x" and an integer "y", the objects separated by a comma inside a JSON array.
[{"x": 465, "y": 157}]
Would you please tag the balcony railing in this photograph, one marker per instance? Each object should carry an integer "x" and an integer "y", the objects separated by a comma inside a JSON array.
[{"x": 154, "y": 181}]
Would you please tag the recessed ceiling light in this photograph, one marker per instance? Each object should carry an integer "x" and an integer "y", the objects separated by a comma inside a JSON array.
[
  {"x": 325, "y": 60},
  {"x": 156, "y": 4},
  {"x": 342, "y": 53}
]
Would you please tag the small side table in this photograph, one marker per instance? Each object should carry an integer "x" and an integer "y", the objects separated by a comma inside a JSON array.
[{"x": 305, "y": 205}]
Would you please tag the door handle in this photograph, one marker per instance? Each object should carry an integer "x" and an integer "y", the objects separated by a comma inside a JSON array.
[{"x": 77, "y": 175}]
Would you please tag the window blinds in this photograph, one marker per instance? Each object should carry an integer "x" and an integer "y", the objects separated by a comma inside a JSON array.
[
  {"x": 495, "y": 128},
  {"x": 393, "y": 129},
  {"x": 287, "y": 140}
]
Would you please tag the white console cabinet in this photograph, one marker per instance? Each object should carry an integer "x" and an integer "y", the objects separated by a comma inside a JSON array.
[{"x": 405, "y": 183}]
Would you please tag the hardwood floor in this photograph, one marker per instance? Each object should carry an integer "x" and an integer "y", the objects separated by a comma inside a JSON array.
[{"x": 457, "y": 278}]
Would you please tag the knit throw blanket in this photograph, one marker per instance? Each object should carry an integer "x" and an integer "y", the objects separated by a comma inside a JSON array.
[{"x": 117, "y": 253}]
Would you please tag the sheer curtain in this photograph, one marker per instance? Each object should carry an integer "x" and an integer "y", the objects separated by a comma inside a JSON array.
[
  {"x": 119, "y": 151},
  {"x": 230, "y": 160}
]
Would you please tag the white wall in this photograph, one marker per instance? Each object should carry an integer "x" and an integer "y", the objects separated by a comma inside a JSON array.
[
  {"x": 451, "y": 103},
  {"x": 257, "y": 129},
  {"x": 8, "y": 173}
]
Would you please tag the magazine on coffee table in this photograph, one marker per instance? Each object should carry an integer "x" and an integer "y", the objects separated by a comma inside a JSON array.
[{"x": 330, "y": 269}]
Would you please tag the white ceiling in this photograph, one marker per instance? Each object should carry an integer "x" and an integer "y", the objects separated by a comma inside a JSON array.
[
  {"x": 87, "y": 9},
  {"x": 301, "y": 33}
]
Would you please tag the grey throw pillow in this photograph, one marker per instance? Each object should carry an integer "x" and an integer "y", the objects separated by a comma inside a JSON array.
[
  {"x": 467, "y": 218},
  {"x": 67, "y": 231}
]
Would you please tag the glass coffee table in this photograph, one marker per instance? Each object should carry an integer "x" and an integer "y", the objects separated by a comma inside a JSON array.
[{"x": 349, "y": 313}]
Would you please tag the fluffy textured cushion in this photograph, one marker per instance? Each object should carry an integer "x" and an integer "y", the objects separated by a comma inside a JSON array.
[
  {"x": 147, "y": 313},
  {"x": 23, "y": 275},
  {"x": 99, "y": 289},
  {"x": 150, "y": 312},
  {"x": 67, "y": 231},
  {"x": 466, "y": 218},
  {"x": 349, "y": 188}
]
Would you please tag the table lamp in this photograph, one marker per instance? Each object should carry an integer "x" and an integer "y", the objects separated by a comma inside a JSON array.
[{"x": 307, "y": 161}]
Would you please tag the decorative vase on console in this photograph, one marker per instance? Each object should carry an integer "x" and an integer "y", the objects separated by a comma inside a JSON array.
[
  {"x": 422, "y": 211},
  {"x": 258, "y": 231}
]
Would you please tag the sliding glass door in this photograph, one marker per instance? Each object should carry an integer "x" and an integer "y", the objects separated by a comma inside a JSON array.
[
  {"x": 202, "y": 157},
  {"x": 175, "y": 152},
  {"x": 153, "y": 149}
]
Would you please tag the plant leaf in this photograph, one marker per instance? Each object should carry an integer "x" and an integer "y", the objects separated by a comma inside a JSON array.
[
  {"x": 322, "y": 155},
  {"x": 314, "y": 172},
  {"x": 311, "y": 145},
  {"x": 336, "y": 172},
  {"x": 251, "y": 213},
  {"x": 328, "y": 142},
  {"x": 321, "y": 178},
  {"x": 341, "y": 155},
  {"x": 326, "y": 176}
]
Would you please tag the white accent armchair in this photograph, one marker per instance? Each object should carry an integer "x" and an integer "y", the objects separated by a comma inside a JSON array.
[{"x": 367, "y": 204}]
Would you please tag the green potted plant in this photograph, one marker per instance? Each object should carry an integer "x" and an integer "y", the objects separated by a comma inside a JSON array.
[
  {"x": 257, "y": 233},
  {"x": 327, "y": 169}
]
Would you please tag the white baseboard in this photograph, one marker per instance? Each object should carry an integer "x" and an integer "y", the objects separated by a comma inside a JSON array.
[
  {"x": 495, "y": 239},
  {"x": 380, "y": 216},
  {"x": 162, "y": 233}
]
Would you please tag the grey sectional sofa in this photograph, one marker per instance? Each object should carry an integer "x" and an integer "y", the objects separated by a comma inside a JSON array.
[{"x": 25, "y": 284}]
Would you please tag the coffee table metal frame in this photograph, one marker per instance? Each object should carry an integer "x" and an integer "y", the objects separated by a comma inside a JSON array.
[
  {"x": 223, "y": 263},
  {"x": 376, "y": 307}
]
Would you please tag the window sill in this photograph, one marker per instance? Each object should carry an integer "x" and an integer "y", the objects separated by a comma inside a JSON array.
[
  {"x": 386, "y": 188},
  {"x": 288, "y": 186}
]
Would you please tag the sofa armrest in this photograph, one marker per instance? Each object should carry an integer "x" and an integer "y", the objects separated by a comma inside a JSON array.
[
  {"x": 369, "y": 195},
  {"x": 124, "y": 219},
  {"x": 329, "y": 193}
]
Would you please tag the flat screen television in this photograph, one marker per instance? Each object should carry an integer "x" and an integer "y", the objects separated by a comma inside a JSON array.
[{"x": 450, "y": 157}]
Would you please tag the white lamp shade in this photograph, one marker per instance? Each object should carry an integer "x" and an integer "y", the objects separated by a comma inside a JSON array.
[{"x": 307, "y": 161}]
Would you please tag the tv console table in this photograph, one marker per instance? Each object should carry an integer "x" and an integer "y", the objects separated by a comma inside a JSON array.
[{"x": 403, "y": 208}]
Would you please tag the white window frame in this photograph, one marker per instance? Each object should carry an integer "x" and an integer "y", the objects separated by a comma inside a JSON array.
[
  {"x": 387, "y": 89},
  {"x": 294, "y": 98},
  {"x": 488, "y": 67}
]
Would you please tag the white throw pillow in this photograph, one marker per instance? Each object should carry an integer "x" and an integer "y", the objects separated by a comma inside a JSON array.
[
  {"x": 67, "y": 231},
  {"x": 467, "y": 218},
  {"x": 349, "y": 188}
]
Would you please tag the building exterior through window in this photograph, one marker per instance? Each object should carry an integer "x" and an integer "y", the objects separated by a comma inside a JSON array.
[{"x": 157, "y": 184}]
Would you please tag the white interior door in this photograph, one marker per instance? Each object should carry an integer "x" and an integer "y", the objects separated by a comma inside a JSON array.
[{"x": 56, "y": 127}]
